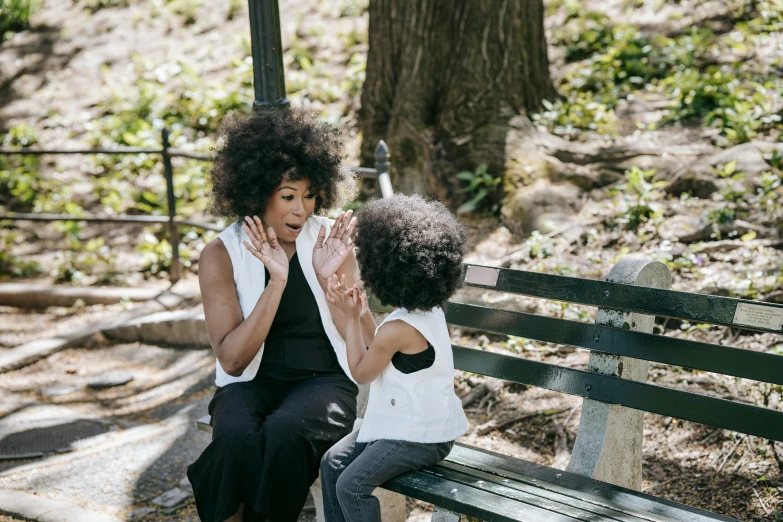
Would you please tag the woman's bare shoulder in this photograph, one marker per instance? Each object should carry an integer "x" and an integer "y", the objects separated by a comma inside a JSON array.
[{"x": 215, "y": 256}]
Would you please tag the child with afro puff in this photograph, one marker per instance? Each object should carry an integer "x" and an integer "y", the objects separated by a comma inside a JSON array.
[{"x": 410, "y": 256}]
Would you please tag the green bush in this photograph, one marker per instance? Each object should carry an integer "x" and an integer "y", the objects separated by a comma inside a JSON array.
[
  {"x": 482, "y": 189},
  {"x": 609, "y": 62},
  {"x": 15, "y": 16}
]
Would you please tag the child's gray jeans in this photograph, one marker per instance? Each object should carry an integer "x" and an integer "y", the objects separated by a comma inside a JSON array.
[{"x": 351, "y": 470}]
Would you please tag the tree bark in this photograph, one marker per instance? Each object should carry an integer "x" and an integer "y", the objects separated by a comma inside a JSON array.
[{"x": 445, "y": 78}]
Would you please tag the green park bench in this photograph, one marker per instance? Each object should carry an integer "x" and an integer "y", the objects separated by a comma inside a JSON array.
[{"x": 604, "y": 473}]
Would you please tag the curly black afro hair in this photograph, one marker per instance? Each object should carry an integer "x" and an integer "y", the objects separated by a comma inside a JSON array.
[
  {"x": 258, "y": 151},
  {"x": 410, "y": 251}
]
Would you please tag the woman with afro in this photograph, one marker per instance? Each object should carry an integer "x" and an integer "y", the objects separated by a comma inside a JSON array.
[
  {"x": 285, "y": 393},
  {"x": 410, "y": 256}
]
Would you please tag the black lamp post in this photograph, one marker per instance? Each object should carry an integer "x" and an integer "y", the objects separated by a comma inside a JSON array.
[{"x": 268, "y": 74}]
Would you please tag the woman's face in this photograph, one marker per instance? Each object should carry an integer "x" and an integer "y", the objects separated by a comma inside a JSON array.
[{"x": 288, "y": 209}]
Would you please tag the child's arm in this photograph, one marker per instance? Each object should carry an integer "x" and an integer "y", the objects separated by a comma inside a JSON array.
[
  {"x": 367, "y": 320},
  {"x": 365, "y": 365}
]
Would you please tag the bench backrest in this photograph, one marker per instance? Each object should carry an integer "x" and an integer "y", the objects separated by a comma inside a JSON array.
[
  {"x": 699, "y": 308},
  {"x": 609, "y": 442}
]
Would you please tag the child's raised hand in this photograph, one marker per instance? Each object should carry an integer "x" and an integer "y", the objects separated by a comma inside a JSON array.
[
  {"x": 348, "y": 300},
  {"x": 334, "y": 293},
  {"x": 363, "y": 299}
]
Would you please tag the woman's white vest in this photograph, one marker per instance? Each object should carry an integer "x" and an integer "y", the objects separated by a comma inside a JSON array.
[
  {"x": 250, "y": 282},
  {"x": 419, "y": 406}
]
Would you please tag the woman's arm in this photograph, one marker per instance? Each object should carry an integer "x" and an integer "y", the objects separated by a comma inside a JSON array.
[
  {"x": 350, "y": 268},
  {"x": 235, "y": 341},
  {"x": 334, "y": 254}
]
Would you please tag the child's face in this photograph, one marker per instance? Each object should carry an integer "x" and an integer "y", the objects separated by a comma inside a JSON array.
[{"x": 288, "y": 208}]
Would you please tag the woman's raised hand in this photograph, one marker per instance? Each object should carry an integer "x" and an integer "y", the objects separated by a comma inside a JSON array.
[
  {"x": 330, "y": 252},
  {"x": 266, "y": 248}
]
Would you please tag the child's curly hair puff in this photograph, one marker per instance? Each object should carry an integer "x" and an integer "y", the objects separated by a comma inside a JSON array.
[{"x": 410, "y": 251}]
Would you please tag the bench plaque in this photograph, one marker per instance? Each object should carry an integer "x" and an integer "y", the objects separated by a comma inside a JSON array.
[
  {"x": 759, "y": 315},
  {"x": 482, "y": 275}
]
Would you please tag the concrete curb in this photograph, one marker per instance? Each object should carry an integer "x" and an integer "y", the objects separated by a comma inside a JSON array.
[
  {"x": 29, "y": 295},
  {"x": 28, "y": 353},
  {"x": 42, "y": 509},
  {"x": 175, "y": 328}
]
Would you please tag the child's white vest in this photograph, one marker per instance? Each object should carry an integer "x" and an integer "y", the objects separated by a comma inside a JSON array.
[
  {"x": 250, "y": 282},
  {"x": 419, "y": 406}
]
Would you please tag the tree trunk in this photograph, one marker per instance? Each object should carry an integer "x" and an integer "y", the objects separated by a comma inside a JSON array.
[{"x": 445, "y": 80}]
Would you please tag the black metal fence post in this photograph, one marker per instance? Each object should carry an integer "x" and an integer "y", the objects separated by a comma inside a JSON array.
[
  {"x": 174, "y": 271},
  {"x": 382, "y": 165},
  {"x": 268, "y": 74}
]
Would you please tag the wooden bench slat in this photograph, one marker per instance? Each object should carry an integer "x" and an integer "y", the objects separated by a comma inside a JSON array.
[
  {"x": 721, "y": 413},
  {"x": 471, "y": 501},
  {"x": 577, "y": 486},
  {"x": 536, "y": 495},
  {"x": 650, "y": 347},
  {"x": 699, "y": 308}
]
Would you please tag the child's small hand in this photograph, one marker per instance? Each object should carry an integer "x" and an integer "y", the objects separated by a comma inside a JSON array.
[
  {"x": 363, "y": 298},
  {"x": 347, "y": 300}
]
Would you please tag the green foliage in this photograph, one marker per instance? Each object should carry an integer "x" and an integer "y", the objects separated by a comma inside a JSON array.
[
  {"x": 20, "y": 178},
  {"x": 611, "y": 62},
  {"x": 637, "y": 197},
  {"x": 235, "y": 7},
  {"x": 353, "y": 7},
  {"x": 11, "y": 267},
  {"x": 579, "y": 112},
  {"x": 187, "y": 9},
  {"x": 352, "y": 85},
  {"x": 97, "y": 5},
  {"x": 540, "y": 246},
  {"x": 733, "y": 191},
  {"x": 158, "y": 254},
  {"x": 736, "y": 104},
  {"x": 92, "y": 258},
  {"x": 584, "y": 35},
  {"x": 723, "y": 214},
  {"x": 15, "y": 16},
  {"x": 482, "y": 189}
]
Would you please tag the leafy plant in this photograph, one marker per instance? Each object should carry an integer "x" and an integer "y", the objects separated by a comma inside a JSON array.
[
  {"x": 723, "y": 214},
  {"x": 95, "y": 258},
  {"x": 187, "y": 9},
  {"x": 234, "y": 8},
  {"x": 10, "y": 266},
  {"x": 353, "y": 7},
  {"x": 638, "y": 194},
  {"x": 97, "y": 5},
  {"x": 539, "y": 245},
  {"x": 20, "y": 178},
  {"x": 482, "y": 189},
  {"x": 15, "y": 16},
  {"x": 580, "y": 111}
]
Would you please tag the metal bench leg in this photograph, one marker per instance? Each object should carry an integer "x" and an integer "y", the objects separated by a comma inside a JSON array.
[
  {"x": 318, "y": 500},
  {"x": 392, "y": 505},
  {"x": 444, "y": 515}
]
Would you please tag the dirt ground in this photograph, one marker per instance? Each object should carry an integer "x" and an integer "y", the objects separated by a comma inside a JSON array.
[{"x": 56, "y": 84}]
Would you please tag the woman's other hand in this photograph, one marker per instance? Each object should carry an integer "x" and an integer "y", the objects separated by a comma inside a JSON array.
[
  {"x": 347, "y": 300},
  {"x": 330, "y": 252},
  {"x": 266, "y": 248}
]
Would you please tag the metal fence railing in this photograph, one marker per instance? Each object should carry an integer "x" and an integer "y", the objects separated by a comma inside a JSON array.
[{"x": 380, "y": 174}]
